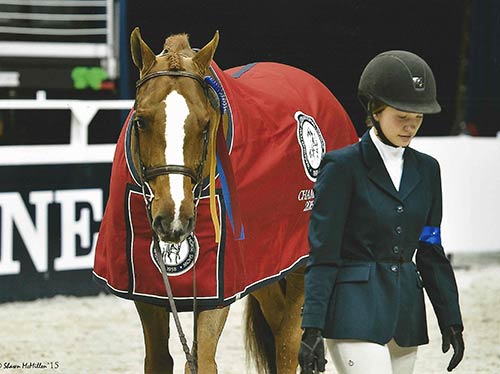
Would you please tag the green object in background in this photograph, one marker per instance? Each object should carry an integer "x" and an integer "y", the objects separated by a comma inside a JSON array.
[{"x": 88, "y": 77}]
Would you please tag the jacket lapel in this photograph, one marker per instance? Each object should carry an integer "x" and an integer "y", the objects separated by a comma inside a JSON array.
[
  {"x": 376, "y": 168},
  {"x": 379, "y": 175},
  {"x": 411, "y": 176}
]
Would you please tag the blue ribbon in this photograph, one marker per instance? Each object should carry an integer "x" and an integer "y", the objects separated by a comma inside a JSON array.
[
  {"x": 219, "y": 91},
  {"x": 227, "y": 198},
  {"x": 431, "y": 235}
]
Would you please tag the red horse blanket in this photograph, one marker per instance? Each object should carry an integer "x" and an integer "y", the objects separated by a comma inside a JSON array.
[{"x": 282, "y": 121}]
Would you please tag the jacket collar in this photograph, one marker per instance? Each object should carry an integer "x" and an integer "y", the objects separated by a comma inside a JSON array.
[{"x": 379, "y": 175}]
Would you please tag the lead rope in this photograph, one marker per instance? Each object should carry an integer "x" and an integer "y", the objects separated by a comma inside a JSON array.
[
  {"x": 195, "y": 322},
  {"x": 190, "y": 358}
]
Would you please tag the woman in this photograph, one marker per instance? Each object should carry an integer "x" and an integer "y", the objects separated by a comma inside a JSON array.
[{"x": 377, "y": 203}]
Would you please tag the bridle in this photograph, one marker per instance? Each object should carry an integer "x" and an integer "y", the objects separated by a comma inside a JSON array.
[{"x": 196, "y": 176}]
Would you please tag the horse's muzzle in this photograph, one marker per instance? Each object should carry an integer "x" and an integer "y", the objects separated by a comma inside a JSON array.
[{"x": 173, "y": 231}]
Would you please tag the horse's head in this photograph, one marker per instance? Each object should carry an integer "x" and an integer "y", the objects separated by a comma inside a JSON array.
[{"x": 173, "y": 120}]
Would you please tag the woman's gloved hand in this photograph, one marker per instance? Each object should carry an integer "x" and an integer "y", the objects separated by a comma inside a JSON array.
[
  {"x": 453, "y": 335},
  {"x": 312, "y": 352}
]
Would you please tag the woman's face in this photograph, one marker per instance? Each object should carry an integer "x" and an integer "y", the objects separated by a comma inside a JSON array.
[{"x": 399, "y": 127}]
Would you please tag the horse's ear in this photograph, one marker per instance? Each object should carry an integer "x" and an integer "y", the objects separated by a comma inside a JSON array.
[
  {"x": 204, "y": 57},
  {"x": 142, "y": 55}
]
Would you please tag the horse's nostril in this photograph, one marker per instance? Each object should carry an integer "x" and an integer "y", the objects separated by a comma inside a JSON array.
[
  {"x": 190, "y": 224},
  {"x": 159, "y": 225},
  {"x": 176, "y": 235}
]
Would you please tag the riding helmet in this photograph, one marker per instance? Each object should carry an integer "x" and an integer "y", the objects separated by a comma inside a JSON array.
[{"x": 401, "y": 80}]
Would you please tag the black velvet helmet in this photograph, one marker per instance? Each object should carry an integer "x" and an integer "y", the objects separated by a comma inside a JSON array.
[{"x": 401, "y": 80}]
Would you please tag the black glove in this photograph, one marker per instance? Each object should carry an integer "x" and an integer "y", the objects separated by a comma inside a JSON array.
[
  {"x": 453, "y": 335},
  {"x": 312, "y": 352}
]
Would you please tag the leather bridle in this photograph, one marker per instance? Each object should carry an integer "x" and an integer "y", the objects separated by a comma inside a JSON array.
[{"x": 149, "y": 173}]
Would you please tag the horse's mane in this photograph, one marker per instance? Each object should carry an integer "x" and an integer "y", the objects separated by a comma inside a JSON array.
[{"x": 174, "y": 48}]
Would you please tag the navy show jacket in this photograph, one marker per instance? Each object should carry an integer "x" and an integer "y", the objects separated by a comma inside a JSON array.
[{"x": 361, "y": 282}]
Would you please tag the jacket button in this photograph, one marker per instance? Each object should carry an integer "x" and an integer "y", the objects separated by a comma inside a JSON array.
[
  {"x": 398, "y": 230},
  {"x": 395, "y": 249},
  {"x": 394, "y": 268},
  {"x": 400, "y": 209}
]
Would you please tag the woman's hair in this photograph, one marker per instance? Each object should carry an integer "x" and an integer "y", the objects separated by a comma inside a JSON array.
[{"x": 374, "y": 107}]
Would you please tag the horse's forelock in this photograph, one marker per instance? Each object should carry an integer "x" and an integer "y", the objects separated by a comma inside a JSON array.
[
  {"x": 177, "y": 43},
  {"x": 174, "y": 61},
  {"x": 174, "y": 48}
]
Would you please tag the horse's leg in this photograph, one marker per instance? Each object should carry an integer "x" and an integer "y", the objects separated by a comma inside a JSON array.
[
  {"x": 288, "y": 337},
  {"x": 210, "y": 325},
  {"x": 155, "y": 327},
  {"x": 281, "y": 308}
]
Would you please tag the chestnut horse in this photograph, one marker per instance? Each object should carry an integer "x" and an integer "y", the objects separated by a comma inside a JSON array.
[
  {"x": 180, "y": 116},
  {"x": 173, "y": 213}
]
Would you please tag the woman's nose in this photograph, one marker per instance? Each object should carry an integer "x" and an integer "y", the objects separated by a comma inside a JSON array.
[{"x": 411, "y": 126}]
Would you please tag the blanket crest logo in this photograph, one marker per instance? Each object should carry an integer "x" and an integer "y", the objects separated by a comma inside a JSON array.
[
  {"x": 177, "y": 257},
  {"x": 311, "y": 143}
]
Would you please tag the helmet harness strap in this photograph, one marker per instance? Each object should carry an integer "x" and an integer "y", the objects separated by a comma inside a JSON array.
[
  {"x": 365, "y": 100},
  {"x": 380, "y": 133}
]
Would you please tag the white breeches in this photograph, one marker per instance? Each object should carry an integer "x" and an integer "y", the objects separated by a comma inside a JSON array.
[{"x": 360, "y": 357}]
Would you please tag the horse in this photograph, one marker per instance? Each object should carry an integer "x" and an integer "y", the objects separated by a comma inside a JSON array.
[{"x": 199, "y": 150}]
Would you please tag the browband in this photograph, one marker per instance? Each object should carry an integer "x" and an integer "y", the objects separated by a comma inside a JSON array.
[
  {"x": 212, "y": 89},
  {"x": 174, "y": 73}
]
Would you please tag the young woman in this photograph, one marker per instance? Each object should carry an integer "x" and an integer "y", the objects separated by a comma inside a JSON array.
[{"x": 377, "y": 203}]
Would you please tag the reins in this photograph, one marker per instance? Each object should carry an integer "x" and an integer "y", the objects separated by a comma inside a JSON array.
[{"x": 149, "y": 173}]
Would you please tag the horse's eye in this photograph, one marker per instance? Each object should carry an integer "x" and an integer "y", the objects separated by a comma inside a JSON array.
[{"x": 140, "y": 123}]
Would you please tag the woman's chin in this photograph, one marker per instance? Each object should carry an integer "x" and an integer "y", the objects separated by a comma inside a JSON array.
[{"x": 404, "y": 141}]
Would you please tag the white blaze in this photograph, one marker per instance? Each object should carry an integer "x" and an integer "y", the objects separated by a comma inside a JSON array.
[{"x": 176, "y": 112}]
